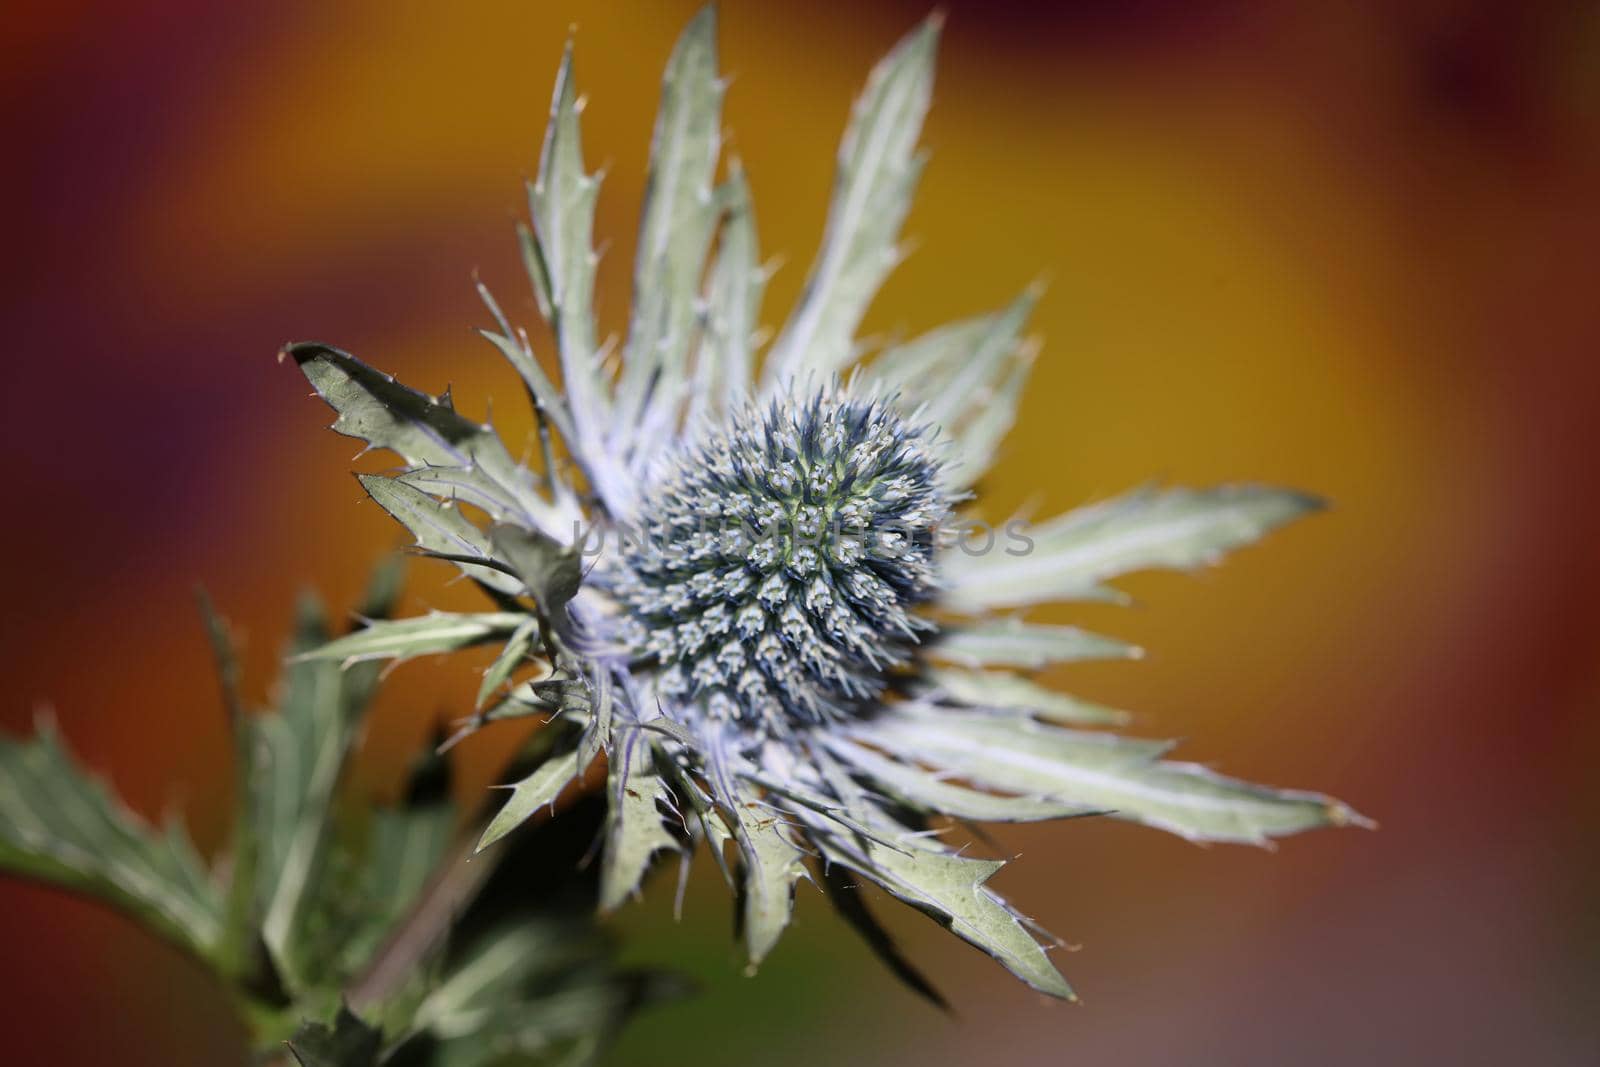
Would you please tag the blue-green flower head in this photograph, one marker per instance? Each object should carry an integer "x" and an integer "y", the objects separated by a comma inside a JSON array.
[
  {"x": 780, "y": 559},
  {"x": 773, "y": 648}
]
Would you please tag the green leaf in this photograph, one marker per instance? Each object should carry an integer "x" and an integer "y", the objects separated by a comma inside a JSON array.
[
  {"x": 511, "y": 657},
  {"x": 733, "y": 303},
  {"x": 596, "y": 736},
  {"x": 441, "y": 529},
  {"x": 502, "y": 967},
  {"x": 928, "y": 793},
  {"x": 771, "y": 863},
  {"x": 1014, "y": 643},
  {"x": 561, "y": 201},
  {"x": 679, "y": 217},
  {"x": 965, "y": 377},
  {"x": 877, "y": 173},
  {"x": 1004, "y": 690},
  {"x": 635, "y": 831},
  {"x": 569, "y": 1025},
  {"x": 1073, "y": 554},
  {"x": 968, "y": 371},
  {"x": 300, "y": 753},
  {"x": 951, "y": 889},
  {"x": 529, "y": 795},
  {"x": 405, "y": 846},
  {"x": 425, "y": 431},
  {"x": 349, "y": 1042},
  {"x": 239, "y": 940},
  {"x": 542, "y": 391},
  {"x": 1124, "y": 777},
  {"x": 404, "y": 639},
  {"x": 551, "y": 571},
  {"x": 64, "y": 829},
  {"x": 978, "y": 440}
]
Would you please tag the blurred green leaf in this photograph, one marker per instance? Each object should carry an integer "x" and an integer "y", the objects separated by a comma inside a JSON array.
[
  {"x": 300, "y": 751},
  {"x": 62, "y": 828},
  {"x": 1007, "y": 642},
  {"x": 349, "y": 1042},
  {"x": 1003, "y": 690},
  {"x": 405, "y": 845}
]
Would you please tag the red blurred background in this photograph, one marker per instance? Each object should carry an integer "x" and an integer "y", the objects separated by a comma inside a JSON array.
[{"x": 1351, "y": 248}]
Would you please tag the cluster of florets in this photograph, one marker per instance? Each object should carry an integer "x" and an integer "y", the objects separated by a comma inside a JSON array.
[{"x": 775, "y": 565}]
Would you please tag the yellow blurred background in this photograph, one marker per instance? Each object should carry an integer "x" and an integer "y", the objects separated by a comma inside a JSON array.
[{"x": 1350, "y": 248}]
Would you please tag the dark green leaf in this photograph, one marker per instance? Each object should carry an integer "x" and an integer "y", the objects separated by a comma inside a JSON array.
[{"x": 349, "y": 1042}]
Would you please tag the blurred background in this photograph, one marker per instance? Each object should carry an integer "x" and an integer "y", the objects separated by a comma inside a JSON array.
[{"x": 1350, "y": 248}]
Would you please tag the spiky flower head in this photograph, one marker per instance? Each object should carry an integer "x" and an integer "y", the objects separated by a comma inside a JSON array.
[
  {"x": 780, "y": 561},
  {"x": 743, "y": 591}
]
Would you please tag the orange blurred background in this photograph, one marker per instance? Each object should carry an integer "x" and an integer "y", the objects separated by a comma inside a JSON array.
[{"x": 1350, "y": 248}]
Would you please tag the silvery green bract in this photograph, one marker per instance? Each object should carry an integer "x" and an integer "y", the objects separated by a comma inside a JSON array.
[{"x": 803, "y": 704}]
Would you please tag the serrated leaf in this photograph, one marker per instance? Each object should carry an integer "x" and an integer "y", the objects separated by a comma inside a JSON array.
[
  {"x": 1073, "y": 554},
  {"x": 425, "y": 431},
  {"x": 770, "y": 866},
  {"x": 978, "y": 440},
  {"x": 1123, "y": 777},
  {"x": 440, "y": 529},
  {"x": 62, "y": 828},
  {"x": 965, "y": 377},
  {"x": 596, "y": 736},
  {"x": 877, "y": 172},
  {"x": 458, "y": 486},
  {"x": 679, "y": 217},
  {"x": 561, "y": 201},
  {"x": 635, "y": 831},
  {"x": 951, "y": 889},
  {"x": 968, "y": 385},
  {"x": 547, "y": 399},
  {"x": 723, "y": 369},
  {"x": 529, "y": 795},
  {"x": 349, "y": 1042},
  {"x": 549, "y": 570},
  {"x": 1004, "y": 690},
  {"x": 512, "y": 656},
  {"x": 1013, "y": 643},
  {"x": 927, "y": 792},
  {"x": 403, "y": 639}
]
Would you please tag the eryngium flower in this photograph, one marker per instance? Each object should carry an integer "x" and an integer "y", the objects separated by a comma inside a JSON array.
[{"x": 745, "y": 590}]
